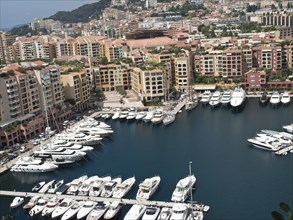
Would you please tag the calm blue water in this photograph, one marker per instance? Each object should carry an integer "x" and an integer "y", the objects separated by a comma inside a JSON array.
[{"x": 236, "y": 180}]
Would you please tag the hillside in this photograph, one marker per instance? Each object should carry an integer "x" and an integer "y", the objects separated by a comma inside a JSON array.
[{"x": 82, "y": 14}]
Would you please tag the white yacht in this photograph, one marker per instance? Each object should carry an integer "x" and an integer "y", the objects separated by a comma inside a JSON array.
[
  {"x": 87, "y": 207},
  {"x": 75, "y": 184},
  {"x": 55, "y": 186},
  {"x": 131, "y": 116},
  {"x": 98, "y": 186},
  {"x": 116, "y": 115},
  {"x": 205, "y": 97},
  {"x": 123, "y": 188},
  {"x": 62, "y": 208},
  {"x": 70, "y": 146},
  {"x": 275, "y": 98},
  {"x": 238, "y": 97},
  {"x": 38, "y": 186},
  {"x": 179, "y": 212},
  {"x": 135, "y": 212},
  {"x": 98, "y": 211},
  {"x": 38, "y": 208},
  {"x": 183, "y": 188},
  {"x": 151, "y": 213},
  {"x": 51, "y": 206},
  {"x": 165, "y": 213},
  {"x": 266, "y": 143},
  {"x": 113, "y": 210},
  {"x": 288, "y": 128},
  {"x": 59, "y": 153},
  {"x": 109, "y": 187},
  {"x": 149, "y": 116},
  {"x": 285, "y": 98},
  {"x": 32, "y": 165},
  {"x": 147, "y": 188},
  {"x": 123, "y": 115},
  {"x": 17, "y": 201},
  {"x": 195, "y": 215},
  {"x": 190, "y": 104},
  {"x": 46, "y": 187},
  {"x": 32, "y": 202},
  {"x": 158, "y": 117},
  {"x": 87, "y": 185},
  {"x": 140, "y": 115},
  {"x": 215, "y": 99},
  {"x": 80, "y": 138},
  {"x": 71, "y": 212},
  {"x": 170, "y": 118},
  {"x": 226, "y": 98}
]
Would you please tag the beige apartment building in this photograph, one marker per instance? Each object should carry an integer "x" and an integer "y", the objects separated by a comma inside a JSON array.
[
  {"x": 182, "y": 72},
  {"x": 149, "y": 84},
  {"x": 36, "y": 47},
  {"x": 113, "y": 77},
  {"x": 6, "y": 42},
  {"x": 29, "y": 98},
  {"x": 77, "y": 88}
]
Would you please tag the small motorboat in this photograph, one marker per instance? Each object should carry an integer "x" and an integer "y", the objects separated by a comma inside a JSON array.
[
  {"x": 17, "y": 201},
  {"x": 39, "y": 185}
]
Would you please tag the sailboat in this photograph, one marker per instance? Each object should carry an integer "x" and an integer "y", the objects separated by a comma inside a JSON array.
[{"x": 191, "y": 103}]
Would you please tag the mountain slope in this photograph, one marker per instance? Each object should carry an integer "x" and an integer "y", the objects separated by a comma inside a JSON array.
[{"x": 82, "y": 14}]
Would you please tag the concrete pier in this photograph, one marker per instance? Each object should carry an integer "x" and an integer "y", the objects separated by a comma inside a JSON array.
[{"x": 194, "y": 206}]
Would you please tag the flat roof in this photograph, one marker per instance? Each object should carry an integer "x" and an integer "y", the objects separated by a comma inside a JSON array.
[{"x": 204, "y": 87}]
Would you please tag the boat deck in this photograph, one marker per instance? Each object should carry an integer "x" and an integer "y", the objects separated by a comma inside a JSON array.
[{"x": 284, "y": 151}]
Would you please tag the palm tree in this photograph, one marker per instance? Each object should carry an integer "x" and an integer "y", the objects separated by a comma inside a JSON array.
[{"x": 278, "y": 216}]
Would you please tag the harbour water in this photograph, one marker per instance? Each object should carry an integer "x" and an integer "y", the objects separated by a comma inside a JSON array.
[{"x": 236, "y": 180}]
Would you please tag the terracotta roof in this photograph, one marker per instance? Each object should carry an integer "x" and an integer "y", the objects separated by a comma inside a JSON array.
[{"x": 150, "y": 42}]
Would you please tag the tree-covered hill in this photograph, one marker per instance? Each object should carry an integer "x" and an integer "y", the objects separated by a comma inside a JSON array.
[{"x": 82, "y": 14}]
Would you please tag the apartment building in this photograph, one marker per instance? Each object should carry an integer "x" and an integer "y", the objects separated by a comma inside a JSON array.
[
  {"x": 231, "y": 63},
  {"x": 149, "y": 84},
  {"x": 6, "y": 42},
  {"x": 89, "y": 46},
  {"x": 167, "y": 60},
  {"x": 36, "y": 47},
  {"x": 182, "y": 71},
  {"x": 77, "y": 89},
  {"x": 268, "y": 57},
  {"x": 286, "y": 33},
  {"x": 113, "y": 77},
  {"x": 277, "y": 19},
  {"x": 113, "y": 49},
  {"x": 255, "y": 80},
  {"x": 64, "y": 47}
]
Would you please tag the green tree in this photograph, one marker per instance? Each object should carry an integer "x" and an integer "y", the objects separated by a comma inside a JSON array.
[
  {"x": 104, "y": 61},
  {"x": 7, "y": 217}
]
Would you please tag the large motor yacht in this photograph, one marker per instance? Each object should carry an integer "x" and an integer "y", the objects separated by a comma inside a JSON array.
[
  {"x": 33, "y": 165},
  {"x": 215, "y": 99},
  {"x": 275, "y": 99},
  {"x": 135, "y": 212},
  {"x": 183, "y": 188},
  {"x": 285, "y": 98},
  {"x": 238, "y": 97},
  {"x": 147, "y": 188},
  {"x": 226, "y": 98},
  {"x": 123, "y": 188},
  {"x": 206, "y": 96}
]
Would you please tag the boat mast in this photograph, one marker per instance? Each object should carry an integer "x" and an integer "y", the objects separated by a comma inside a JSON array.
[{"x": 191, "y": 199}]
